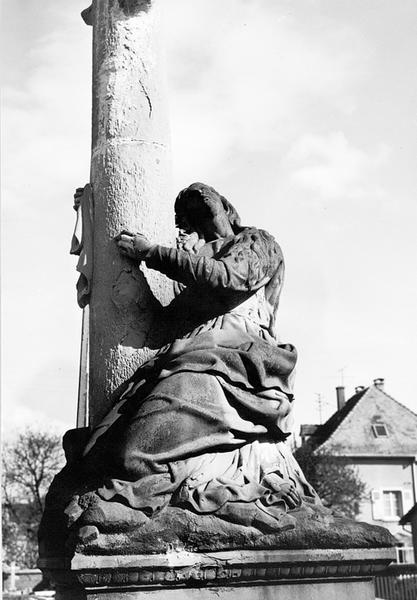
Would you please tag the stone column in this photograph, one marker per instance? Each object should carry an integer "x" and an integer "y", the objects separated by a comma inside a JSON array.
[{"x": 130, "y": 177}]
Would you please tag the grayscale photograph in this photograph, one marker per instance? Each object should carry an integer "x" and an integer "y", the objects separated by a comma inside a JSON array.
[{"x": 209, "y": 292}]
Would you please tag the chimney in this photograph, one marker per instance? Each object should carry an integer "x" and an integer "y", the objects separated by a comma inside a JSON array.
[
  {"x": 340, "y": 394},
  {"x": 379, "y": 383},
  {"x": 359, "y": 388}
]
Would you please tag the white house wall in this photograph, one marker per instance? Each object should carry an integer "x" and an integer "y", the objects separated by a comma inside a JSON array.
[{"x": 394, "y": 475}]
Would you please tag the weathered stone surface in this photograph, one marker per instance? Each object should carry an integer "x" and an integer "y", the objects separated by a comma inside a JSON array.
[
  {"x": 193, "y": 454},
  {"x": 183, "y": 530},
  {"x": 133, "y": 7},
  {"x": 187, "y": 459},
  {"x": 254, "y": 572},
  {"x": 130, "y": 179},
  {"x": 309, "y": 590},
  {"x": 117, "y": 526}
]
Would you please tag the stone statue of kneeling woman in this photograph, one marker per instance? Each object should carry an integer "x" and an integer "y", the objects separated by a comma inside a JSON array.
[{"x": 202, "y": 426}]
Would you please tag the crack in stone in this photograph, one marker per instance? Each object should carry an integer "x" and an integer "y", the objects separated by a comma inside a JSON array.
[
  {"x": 101, "y": 148},
  {"x": 147, "y": 97}
]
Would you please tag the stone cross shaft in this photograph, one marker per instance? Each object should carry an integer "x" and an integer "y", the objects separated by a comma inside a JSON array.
[{"x": 130, "y": 167}]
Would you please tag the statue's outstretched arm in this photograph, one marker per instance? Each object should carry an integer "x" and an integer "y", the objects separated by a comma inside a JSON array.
[
  {"x": 243, "y": 267},
  {"x": 246, "y": 263}
]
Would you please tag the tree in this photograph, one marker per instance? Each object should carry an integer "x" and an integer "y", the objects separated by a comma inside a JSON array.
[
  {"x": 29, "y": 464},
  {"x": 337, "y": 483}
]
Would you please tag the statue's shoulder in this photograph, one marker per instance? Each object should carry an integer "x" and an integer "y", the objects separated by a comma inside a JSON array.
[
  {"x": 255, "y": 249},
  {"x": 259, "y": 241}
]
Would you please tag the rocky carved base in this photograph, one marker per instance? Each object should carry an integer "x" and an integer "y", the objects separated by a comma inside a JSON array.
[
  {"x": 182, "y": 530},
  {"x": 92, "y": 548},
  {"x": 85, "y": 524}
]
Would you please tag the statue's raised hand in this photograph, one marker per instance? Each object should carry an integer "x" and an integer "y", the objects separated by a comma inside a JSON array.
[
  {"x": 133, "y": 245},
  {"x": 190, "y": 242}
]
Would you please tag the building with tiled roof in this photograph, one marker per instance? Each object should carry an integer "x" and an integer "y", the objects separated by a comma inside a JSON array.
[{"x": 378, "y": 436}]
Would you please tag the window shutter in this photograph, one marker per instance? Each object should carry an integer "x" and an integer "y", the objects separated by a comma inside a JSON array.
[
  {"x": 407, "y": 500},
  {"x": 377, "y": 505}
]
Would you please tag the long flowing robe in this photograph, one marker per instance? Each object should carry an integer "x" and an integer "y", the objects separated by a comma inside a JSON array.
[{"x": 203, "y": 423}]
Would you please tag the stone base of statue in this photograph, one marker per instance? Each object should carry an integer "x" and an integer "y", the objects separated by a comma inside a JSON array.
[
  {"x": 248, "y": 575},
  {"x": 187, "y": 485},
  {"x": 310, "y": 554},
  {"x": 92, "y": 548}
]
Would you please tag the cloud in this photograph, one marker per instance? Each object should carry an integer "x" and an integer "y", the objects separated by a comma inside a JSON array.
[
  {"x": 252, "y": 79},
  {"x": 47, "y": 121},
  {"x": 20, "y": 417},
  {"x": 333, "y": 167},
  {"x": 46, "y": 148}
]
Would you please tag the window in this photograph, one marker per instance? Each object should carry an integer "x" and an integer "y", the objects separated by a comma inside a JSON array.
[
  {"x": 405, "y": 554},
  {"x": 392, "y": 502},
  {"x": 380, "y": 430}
]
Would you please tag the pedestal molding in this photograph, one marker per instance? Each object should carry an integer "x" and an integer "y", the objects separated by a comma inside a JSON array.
[{"x": 180, "y": 568}]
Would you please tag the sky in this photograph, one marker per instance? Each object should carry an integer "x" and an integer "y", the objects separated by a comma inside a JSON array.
[{"x": 302, "y": 113}]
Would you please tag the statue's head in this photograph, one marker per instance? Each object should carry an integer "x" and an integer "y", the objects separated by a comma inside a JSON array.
[{"x": 200, "y": 208}]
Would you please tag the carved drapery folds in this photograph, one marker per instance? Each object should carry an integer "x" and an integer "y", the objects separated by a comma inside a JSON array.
[{"x": 195, "y": 442}]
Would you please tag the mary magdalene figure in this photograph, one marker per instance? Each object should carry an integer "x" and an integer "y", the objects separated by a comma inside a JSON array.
[{"x": 203, "y": 424}]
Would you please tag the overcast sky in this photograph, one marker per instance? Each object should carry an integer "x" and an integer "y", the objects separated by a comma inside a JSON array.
[{"x": 302, "y": 113}]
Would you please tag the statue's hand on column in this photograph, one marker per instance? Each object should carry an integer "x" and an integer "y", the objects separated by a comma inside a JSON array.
[{"x": 133, "y": 245}]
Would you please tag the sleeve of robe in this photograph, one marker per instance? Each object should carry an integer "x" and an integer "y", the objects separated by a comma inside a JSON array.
[{"x": 245, "y": 264}]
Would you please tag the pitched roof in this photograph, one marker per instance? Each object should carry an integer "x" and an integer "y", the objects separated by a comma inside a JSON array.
[
  {"x": 349, "y": 430},
  {"x": 408, "y": 517}
]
